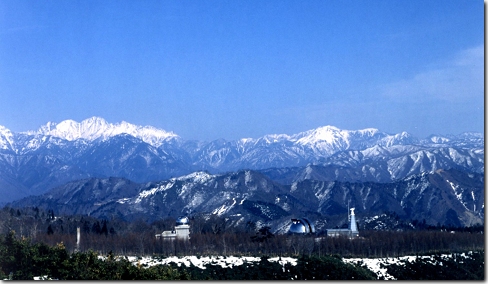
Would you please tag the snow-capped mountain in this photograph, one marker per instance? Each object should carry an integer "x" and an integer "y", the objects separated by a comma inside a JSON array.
[
  {"x": 330, "y": 140},
  {"x": 6, "y": 139},
  {"x": 33, "y": 162},
  {"x": 95, "y": 128}
]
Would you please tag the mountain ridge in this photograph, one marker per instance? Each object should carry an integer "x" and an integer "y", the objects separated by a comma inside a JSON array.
[
  {"x": 97, "y": 127},
  {"x": 444, "y": 197},
  {"x": 33, "y": 162}
]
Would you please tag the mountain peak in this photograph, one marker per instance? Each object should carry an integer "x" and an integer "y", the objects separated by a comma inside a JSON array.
[
  {"x": 96, "y": 127},
  {"x": 325, "y": 133},
  {"x": 332, "y": 135},
  {"x": 6, "y": 138}
]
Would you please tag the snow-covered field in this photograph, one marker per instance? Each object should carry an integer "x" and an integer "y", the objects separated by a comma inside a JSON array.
[
  {"x": 374, "y": 264},
  {"x": 200, "y": 262}
]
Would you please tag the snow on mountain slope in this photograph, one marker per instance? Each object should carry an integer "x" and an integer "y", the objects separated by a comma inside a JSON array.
[
  {"x": 95, "y": 127},
  {"x": 327, "y": 140},
  {"x": 197, "y": 177},
  {"x": 96, "y": 148},
  {"x": 444, "y": 197},
  {"x": 6, "y": 139}
]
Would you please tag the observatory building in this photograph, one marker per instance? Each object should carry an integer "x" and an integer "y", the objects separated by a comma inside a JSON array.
[
  {"x": 351, "y": 231},
  {"x": 301, "y": 226},
  {"x": 181, "y": 231}
]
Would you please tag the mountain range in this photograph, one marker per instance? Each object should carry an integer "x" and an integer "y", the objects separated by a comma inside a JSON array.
[
  {"x": 450, "y": 197},
  {"x": 127, "y": 160}
]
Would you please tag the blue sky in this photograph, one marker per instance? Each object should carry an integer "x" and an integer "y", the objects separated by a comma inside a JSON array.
[{"x": 235, "y": 69}]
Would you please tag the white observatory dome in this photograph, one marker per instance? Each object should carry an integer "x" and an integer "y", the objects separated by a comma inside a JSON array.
[
  {"x": 301, "y": 226},
  {"x": 182, "y": 220}
]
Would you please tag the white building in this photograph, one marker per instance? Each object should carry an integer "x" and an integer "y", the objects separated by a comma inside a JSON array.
[
  {"x": 351, "y": 231},
  {"x": 181, "y": 231}
]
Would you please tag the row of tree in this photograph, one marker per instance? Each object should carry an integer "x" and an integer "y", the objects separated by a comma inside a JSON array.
[
  {"x": 213, "y": 235},
  {"x": 20, "y": 259},
  {"x": 263, "y": 242}
]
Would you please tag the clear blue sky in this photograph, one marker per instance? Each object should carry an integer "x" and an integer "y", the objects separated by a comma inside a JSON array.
[{"x": 235, "y": 69}]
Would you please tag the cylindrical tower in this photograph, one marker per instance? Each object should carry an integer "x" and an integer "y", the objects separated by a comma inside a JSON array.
[
  {"x": 78, "y": 239},
  {"x": 352, "y": 223}
]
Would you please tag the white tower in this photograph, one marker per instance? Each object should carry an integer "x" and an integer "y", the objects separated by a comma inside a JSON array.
[
  {"x": 183, "y": 231},
  {"x": 77, "y": 239},
  {"x": 352, "y": 223}
]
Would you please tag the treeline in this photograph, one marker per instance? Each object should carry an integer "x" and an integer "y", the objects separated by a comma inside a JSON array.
[
  {"x": 212, "y": 235},
  {"x": 20, "y": 259},
  {"x": 371, "y": 244},
  {"x": 215, "y": 236}
]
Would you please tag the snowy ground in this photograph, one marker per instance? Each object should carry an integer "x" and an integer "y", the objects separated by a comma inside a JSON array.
[
  {"x": 200, "y": 262},
  {"x": 372, "y": 263}
]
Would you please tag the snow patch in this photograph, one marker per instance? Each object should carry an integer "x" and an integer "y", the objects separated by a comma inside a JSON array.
[{"x": 145, "y": 193}]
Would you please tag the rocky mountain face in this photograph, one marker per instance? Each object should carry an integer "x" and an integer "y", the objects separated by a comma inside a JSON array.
[
  {"x": 36, "y": 161},
  {"x": 449, "y": 197}
]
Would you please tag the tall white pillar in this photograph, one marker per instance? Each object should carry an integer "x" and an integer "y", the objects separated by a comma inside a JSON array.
[
  {"x": 78, "y": 239},
  {"x": 352, "y": 224}
]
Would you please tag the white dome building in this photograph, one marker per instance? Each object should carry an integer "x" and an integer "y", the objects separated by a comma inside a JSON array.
[{"x": 301, "y": 226}]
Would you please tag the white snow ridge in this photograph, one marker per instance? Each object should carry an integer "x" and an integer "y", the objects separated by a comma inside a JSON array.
[{"x": 96, "y": 127}]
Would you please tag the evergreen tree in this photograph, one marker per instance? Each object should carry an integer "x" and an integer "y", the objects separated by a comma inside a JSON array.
[{"x": 50, "y": 230}]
